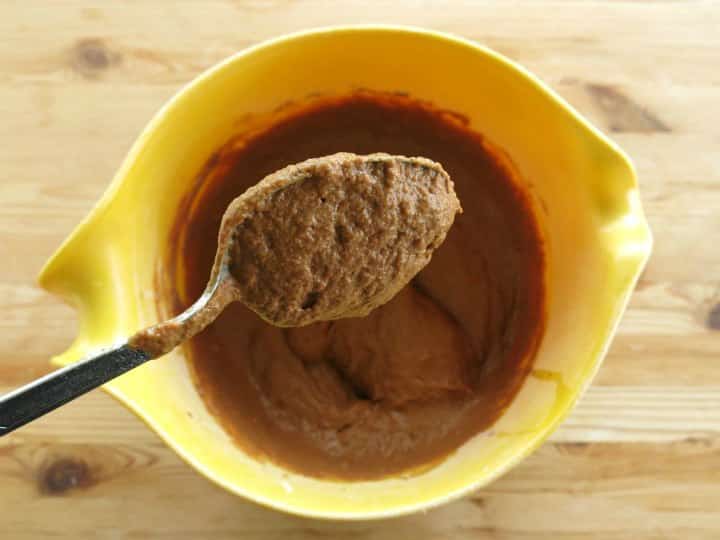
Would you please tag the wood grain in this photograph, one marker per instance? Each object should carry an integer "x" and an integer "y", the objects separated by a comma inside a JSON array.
[{"x": 640, "y": 456}]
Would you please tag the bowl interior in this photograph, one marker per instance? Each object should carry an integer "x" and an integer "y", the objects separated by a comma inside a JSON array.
[{"x": 583, "y": 186}]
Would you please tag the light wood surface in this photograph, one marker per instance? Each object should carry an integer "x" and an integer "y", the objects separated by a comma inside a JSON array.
[{"x": 639, "y": 458}]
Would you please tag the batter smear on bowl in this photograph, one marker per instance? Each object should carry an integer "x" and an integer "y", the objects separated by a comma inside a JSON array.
[{"x": 399, "y": 388}]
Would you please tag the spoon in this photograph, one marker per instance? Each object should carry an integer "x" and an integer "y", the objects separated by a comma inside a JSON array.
[{"x": 328, "y": 238}]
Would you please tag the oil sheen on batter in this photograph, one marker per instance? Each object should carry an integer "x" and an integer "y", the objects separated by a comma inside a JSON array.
[{"x": 402, "y": 388}]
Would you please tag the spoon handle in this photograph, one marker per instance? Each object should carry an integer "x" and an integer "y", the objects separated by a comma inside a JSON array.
[{"x": 39, "y": 397}]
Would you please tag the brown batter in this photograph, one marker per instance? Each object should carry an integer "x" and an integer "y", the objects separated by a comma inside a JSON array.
[
  {"x": 328, "y": 238},
  {"x": 336, "y": 236},
  {"x": 403, "y": 387}
]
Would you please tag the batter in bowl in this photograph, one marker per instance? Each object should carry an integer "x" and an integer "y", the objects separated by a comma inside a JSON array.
[{"x": 398, "y": 390}]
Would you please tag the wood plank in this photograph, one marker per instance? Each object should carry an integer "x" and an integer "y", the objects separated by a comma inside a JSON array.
[{"x": 579, "y": 491}]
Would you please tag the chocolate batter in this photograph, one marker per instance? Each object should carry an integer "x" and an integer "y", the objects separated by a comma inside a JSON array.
[{"x": 400, "y": 389}]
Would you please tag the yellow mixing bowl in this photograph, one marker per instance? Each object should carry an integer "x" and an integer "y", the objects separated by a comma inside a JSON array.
[{"x": 583, "y": 184}]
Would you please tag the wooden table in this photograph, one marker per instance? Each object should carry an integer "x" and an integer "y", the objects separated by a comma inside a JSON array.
[{"x": 639, "y": 458}]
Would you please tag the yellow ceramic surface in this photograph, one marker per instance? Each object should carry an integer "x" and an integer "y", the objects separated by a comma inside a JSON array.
[{"x": 584, "y": 188}]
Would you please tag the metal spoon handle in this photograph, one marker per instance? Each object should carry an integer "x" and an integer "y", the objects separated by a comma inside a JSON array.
[
  {"x": 39, "y": 397},
  {"x": 33, "y": 400}
]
